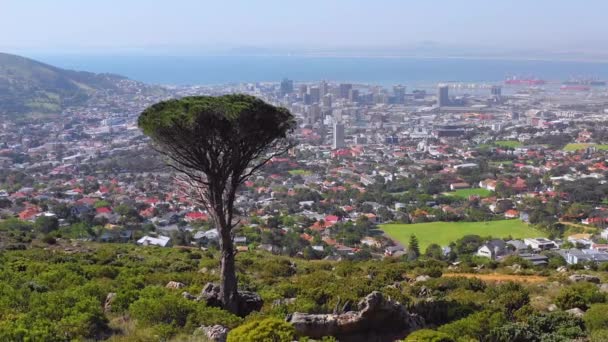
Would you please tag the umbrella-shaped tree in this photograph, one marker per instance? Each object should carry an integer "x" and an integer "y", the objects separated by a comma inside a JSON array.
[{"x": 216, "y": 144}]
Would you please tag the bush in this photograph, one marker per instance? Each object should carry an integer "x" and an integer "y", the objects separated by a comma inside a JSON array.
[
  {"x": 596, "y": 318},
  {"x": 580, "y": 296},
  {"x": 270, "y": 329},
  {"x": 427, "y": 335}
]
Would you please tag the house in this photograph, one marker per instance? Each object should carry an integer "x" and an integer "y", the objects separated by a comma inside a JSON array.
[
  {"x": 162, "y": 241},
  {"x": 240, "y": 240},
  {"x": 393, "y": 250},
  {"x": 461, "y": 185},
  {"x": 540, "y": 243},
  {"x": 370, "y": 241},
  {"x": 511, "y": 213},
  {"x": 581, "y": 239},
  {"x": 209, "y": 235},
  {"x": 535, "y": 259},
  {"x": 576, "y": 256},
  {"x": 196, "y": 216},
  {"x": 517, "y": 245},
  {"x": 604, "y": 234},
  {"x": 493, "y": 249}
]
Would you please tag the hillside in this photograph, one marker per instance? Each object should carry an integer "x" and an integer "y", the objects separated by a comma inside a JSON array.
[{"x": 28, "y": 86}]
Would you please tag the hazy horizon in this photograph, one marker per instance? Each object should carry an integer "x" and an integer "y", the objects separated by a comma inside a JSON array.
[{"x": 188, "y": 27}]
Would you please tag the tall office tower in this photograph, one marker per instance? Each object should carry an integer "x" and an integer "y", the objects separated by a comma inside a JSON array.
[
  {"x": 496, "y": 92},
  {"x": 338, "y": 136},
  {"x": 315, "y": 94},
  {"x": 323, "y": 88},
  {"x": 286, "y": 86},
  {"x": 515, "y": 116},
  {"x": 353, "y": 95},
  {"x": 399, "y": 93},
  {"x": 442, "y": 96},
  {"x": 302, "y": 90},
  {"x": 314, "y": 112},
  {"x": 327, "y": 101},
  {"x": 345, "y": 89}
]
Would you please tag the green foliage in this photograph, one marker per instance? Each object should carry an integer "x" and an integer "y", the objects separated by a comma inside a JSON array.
[
  {"x": 427, "y": 335},
  {"x": 476, "y": 326},
  {"x": 596, "y": 318},
  {"x": 270, "y": 329},
  {"x": 579, "y": 295},
  {"x": 555, "y": 326}
]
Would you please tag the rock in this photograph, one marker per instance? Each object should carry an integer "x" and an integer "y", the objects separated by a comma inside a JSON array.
[
  {"x": 175, "y": 285},
  {"x": 283, "y": 301},
  {"x": 421, "y": 278},
  {"x": 377, "y": 319},
  {"x": 247, "y": 302},
  {"x": 214, "y": 333},
  {"x": 425, "y": 292},
  {"x": 552, "y": 308},
  {"x": 576, "y": 312},
  {"x": 107, "y": 305},
  {"x": 562, "y": 269},
  {"x": 584, "y": 277},
  {"x": 604, "y": 288},
  {"x": 188, "y": 295}
]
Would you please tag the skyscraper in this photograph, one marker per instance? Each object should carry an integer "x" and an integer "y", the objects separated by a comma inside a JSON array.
[
  {"x": 442, "y": 96},
  {"x": 338, "y": 135},
  {"x": 399, "y": 93},
  {"x": 286, "y": 86},
  {"x": 323, "y": 88},
  {"x": 327, "y": 101},
  {"x": 353, "y": 95},
  {"x": 345, "y": 89},
  {"x": 315, "y": 94}
]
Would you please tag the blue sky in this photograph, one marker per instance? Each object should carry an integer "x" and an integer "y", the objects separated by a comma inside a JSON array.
[{"x": 191, "y": 25}]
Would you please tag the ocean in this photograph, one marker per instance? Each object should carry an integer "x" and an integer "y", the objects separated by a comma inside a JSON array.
[{"x": 377, "y": 70}]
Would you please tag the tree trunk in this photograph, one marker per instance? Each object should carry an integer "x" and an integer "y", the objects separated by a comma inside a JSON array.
[{"x": 228, "y": 282}]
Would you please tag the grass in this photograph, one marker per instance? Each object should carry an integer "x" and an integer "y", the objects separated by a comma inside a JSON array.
[
  {"x": 577, "y": 146},
  {"x": 504, "y": 162},
  {"x": 443, "y": 233},
  {"x": 300, "y": 172},
  {"x": 508, "y": 143},
  {"x": 465, "y": 193}
]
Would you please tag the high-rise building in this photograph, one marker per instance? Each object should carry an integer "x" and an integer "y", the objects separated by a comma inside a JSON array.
[
  {"x": 315, "y": 94},
  {"x": 302, "y": 90},
  {"x": 442, "y": 96},
  {"x": 327, "y": 101},
  {"x": 399, "y": 93},
  {"x": 323, "y": 88},
  {"x": 353, "y": 95},
  {"x": 345, "y": 89},
  {"x": 496, "y": 90},
  {"x": 286, "y": 86},
  {"x": 338, "y": 135}
]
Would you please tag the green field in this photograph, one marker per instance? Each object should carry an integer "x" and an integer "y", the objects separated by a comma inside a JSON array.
[
  {"x": 443, "y": 233},
  {"x": 465, "y": 193},
  {"x": 576, "y": 147},
  {"x": 299, "y": 172},
  {"x": 508, "y": 143},
  {"x": 504, "y": 162}
]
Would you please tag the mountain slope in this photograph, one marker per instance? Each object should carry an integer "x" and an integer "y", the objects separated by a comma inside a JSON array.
[{"x": 28, "y": 86}]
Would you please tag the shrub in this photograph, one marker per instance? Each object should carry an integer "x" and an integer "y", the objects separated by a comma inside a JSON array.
[
  {"x": 270, "y": 329},
  {"x": 427, "y": 335},
  {"x": 596, "y": 318}
]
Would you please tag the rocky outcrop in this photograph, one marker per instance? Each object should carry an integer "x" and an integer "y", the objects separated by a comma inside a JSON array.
[
  {"x": 248, "y": 301},
  {"x": 175, "y": 285},
  {"x": 213, "y": 333},
  {"x": 576, "y": 312},
  {"x": 107, "y": 305},
  {"x": 584, "y": 277},
  {"x": 377, "y": 319}
]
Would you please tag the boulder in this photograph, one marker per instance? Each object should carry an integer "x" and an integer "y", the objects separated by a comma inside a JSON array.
[
  {"x": 213, "y": 333},
  {"x": 562, "y": 269},
  {"x": 584, "y": 277},
  {"x": 283, "y": 301},
  {"x": 421, "y": 278},
  {"x": 247, "y": 303},
  {"x": 107, "y": 305},
  {"x": 604, "y": 288},
  {"x": 552, "y": 307},
  {"x": 576, "y": 312},
  {"x": 377, "y": 319},
  {"x": 188, "y": 295},
  {"x": 175, "y": 285}
]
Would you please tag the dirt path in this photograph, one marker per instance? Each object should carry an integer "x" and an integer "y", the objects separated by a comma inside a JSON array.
[{"x": 500, "y": 277}]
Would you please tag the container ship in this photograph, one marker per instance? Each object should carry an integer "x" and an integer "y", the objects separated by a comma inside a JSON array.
[{"x": 524, "y": 81}]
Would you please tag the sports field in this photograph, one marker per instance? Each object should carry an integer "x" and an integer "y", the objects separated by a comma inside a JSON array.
[
  {"x": 299, "y": 172},
  {"x": 465, "y": 193},
  {"x": 508, "y": 143},
  {"x": 576, "y": 147},
  {"x": 442, "y": 233}
]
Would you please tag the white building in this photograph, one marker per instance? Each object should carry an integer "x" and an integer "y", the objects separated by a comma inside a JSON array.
[{"x": 162, "y": 241}]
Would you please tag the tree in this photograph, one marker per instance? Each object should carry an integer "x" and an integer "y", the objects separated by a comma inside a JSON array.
[
  {"x": 434, "y": 251},
  {"x": 595, "y": 318},
  {"x": 413, "y": 251},
  {"x": 46, "y": 224},
  {"x": 217, "y": 143}
]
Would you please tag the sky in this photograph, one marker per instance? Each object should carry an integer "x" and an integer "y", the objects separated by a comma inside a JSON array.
[{"x": 185, "y": 26}]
